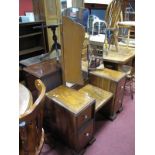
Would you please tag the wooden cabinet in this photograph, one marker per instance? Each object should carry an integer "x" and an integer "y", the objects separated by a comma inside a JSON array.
[
  {"x": 48, "y": 71},
  {"x": 32, "y": 41},
  {"x": 70, "y": 117}
]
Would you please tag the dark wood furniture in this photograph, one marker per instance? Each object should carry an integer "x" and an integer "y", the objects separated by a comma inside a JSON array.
[
  {"x": 48, "y": 71},
  {"x": 112, "y": 81},
  {"x": 31, "y": 133},
  {"x": 70, "y": 116},
  {"x": 32, "y": 41}
]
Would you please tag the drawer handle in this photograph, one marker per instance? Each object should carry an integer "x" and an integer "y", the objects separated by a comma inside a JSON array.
[
  {"x": 87, "y": 134},
  {"x": 85, "y": 116},
  {"x": 122, "y": 87}
]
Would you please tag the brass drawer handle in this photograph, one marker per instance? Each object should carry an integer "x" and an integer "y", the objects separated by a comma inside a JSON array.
[
  {"x": 87, "y": 134},
  {"x": 85, "y": 117}
]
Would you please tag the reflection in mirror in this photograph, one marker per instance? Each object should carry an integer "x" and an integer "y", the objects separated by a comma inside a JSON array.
[{"x": 65, "y": 4}]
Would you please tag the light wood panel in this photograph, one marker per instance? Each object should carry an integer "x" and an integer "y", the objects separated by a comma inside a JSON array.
[
  {"x": 78, "y": 3},
  {"x": 50, "y": 12},
  {"x": 101, "y": 96},
  {"x": 105, "y": 73},
  {"x": 123, "y": 55},
  {"x": 72, "y": 39}
]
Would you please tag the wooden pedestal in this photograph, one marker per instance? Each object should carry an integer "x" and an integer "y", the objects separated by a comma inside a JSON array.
[{"x": 70, "y": 117}]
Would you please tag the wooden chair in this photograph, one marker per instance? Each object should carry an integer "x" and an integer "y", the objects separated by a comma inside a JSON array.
[
  {"x": 112, "y": 16},
  {"x": 127, "y": 26},
  {"x": 31, "y": 133}
]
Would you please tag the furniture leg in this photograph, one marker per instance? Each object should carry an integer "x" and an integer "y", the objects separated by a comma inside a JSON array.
[
  {"x": 113, "y": 116},
  {"x": 120, "y": 109}
]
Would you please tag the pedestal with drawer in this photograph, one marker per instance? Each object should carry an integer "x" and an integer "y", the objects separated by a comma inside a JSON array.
[
  {"x": 112, "y": 81},
  {"x": 70, "y": 116}
]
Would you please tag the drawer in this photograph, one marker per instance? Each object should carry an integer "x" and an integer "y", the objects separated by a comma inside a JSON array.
[
  {"x": 86, "y": 134},
  {"x": 84, "y": 116}
]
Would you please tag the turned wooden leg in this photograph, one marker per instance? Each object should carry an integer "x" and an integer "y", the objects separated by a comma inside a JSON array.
[
  {"x": 92, "y": 141},
  {"x": 116, "y": 40}
]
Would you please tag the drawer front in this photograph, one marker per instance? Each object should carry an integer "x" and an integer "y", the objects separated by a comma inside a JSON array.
[
  {"x": 85, "y": 134},
  {"x": 84, "y": 117}
]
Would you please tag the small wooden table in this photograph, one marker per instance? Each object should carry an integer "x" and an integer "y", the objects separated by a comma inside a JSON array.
[
  {"x": 25, "y": 99},
  {"x": 115, "y": 59}
]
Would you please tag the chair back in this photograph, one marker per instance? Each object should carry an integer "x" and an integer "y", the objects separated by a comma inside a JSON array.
[
  {"x": 114, "y": 13},
  {"x": 31, "y": 133}
]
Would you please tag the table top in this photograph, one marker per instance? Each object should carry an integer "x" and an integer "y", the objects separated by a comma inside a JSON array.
[
  {"x": 104, "y": 73},
  {"x": 121, "y": 57},
  {"x": 101, "y": 96},
  {"x": 70, "y": 99},
  {"x": 34, "y": 60},
  {"x": 43, "y": 68},
  {"x": 25, "y": 99}
]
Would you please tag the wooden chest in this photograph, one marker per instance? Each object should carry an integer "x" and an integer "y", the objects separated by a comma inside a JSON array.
[
  {"x": 48, "y": 71},
  {"x": 70, "y": 116}
]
